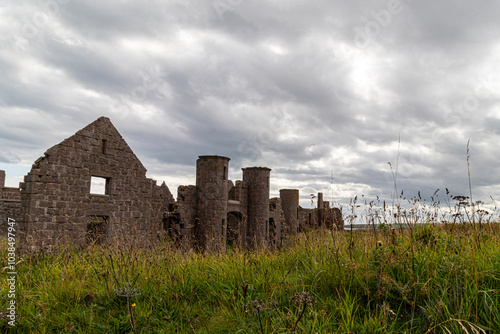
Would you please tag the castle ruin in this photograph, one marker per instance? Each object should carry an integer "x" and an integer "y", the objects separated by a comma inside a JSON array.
[{"x": 58, "y": 202}]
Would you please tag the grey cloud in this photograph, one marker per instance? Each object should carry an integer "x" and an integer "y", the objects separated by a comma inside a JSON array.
[
  {"x": 10, "y": 159},
  {"x": 276, "y": 83}
]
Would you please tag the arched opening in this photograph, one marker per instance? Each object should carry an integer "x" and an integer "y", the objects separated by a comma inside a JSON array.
[
  {"x": 97, "y": 227},
  {"x": 172, "y": 228},
  {"x": 233, "y": 235}
]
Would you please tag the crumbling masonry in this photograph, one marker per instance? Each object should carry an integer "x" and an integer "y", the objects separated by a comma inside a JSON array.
[{"x": 57, "y": 204}]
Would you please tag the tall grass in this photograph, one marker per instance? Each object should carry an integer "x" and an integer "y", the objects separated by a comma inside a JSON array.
[{"x": 424, "y": 279}]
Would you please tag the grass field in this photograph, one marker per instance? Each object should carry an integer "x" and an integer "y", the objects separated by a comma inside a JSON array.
[{"x": 422, "y": 279}]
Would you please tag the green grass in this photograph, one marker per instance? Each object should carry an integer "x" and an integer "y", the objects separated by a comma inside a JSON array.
[{"x": 433, "y": 279}]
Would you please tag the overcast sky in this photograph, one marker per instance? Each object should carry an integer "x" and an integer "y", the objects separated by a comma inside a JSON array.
[{"x": 325, "y": 93}]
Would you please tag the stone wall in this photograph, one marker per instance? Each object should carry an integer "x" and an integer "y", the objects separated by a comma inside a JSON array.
[
  {"x": 325, "y": 217},
  {"x": 235, "y": 226},
  {"x": 11, "y": 194},
  {"x": 333, "y": 219},
  {"x": 306, "y": 218},
  {"x": 187, "y": 202},
  {"x": 9, "y": 209},
  {"x": 277, "y": 237},
  {"x": 57, "y": 201},
  {"x": 10, "y": 204}
]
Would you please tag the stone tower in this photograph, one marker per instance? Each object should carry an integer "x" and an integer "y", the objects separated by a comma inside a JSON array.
[
  {"x": 257, "y": 179},
  {"x": 290, "y": 206},
  {"x": 211, "y": 185},
  {"x": 321, "y": 209}
]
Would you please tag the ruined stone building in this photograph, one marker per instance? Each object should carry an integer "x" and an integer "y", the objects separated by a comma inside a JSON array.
[
  {"x": 58, "y": 202},
  {"x": 322, "y": 216},
  {"x": 298, "y": 219}
]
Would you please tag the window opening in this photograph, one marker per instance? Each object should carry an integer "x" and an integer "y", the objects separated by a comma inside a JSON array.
[
  {"x": 99, "y": 185},
  {"x": 104, "y": 146}
]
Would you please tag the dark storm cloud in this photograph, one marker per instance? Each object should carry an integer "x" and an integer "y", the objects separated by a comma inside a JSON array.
[{"x": 313, "y": 89}]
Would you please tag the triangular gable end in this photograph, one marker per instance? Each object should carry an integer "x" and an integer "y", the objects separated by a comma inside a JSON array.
[{"x": 99, "y": 135}]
